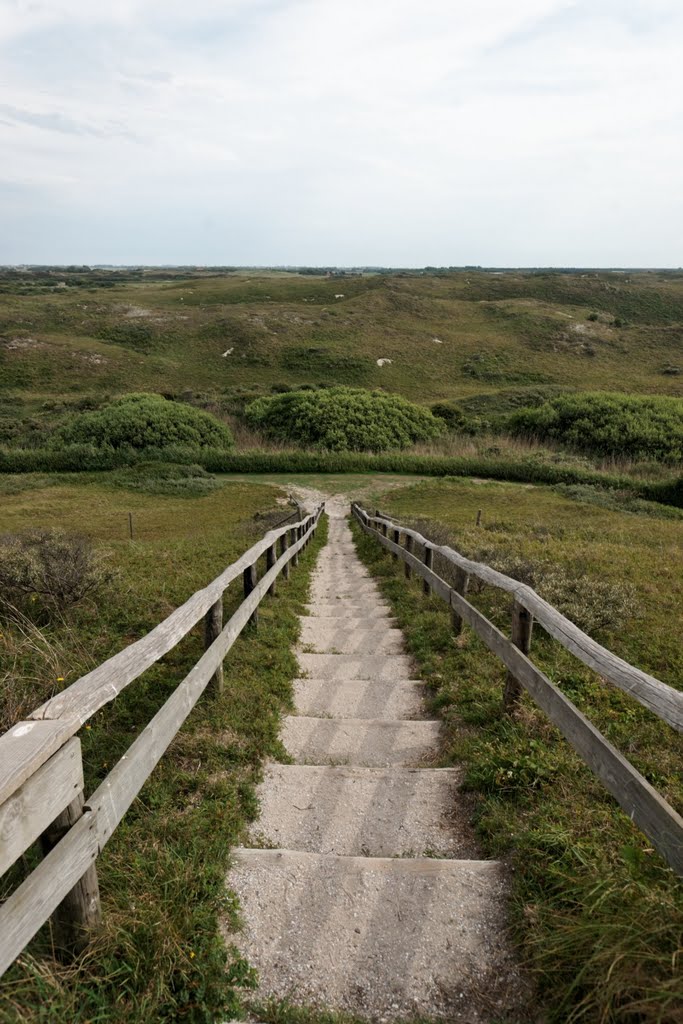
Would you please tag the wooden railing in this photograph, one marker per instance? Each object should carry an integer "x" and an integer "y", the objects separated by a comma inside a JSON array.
[
  {"x": 643, "y": 804},
  {"x": 41, "y": 772}
]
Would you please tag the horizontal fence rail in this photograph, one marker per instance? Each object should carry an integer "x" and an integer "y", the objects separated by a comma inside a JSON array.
[
  {"x": 644, "y": 805},
  {"x": 41, "y": 775}
]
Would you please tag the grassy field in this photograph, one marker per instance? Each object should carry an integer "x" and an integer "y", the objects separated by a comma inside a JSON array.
[
  {"x": 598, "y": 915},
  {"x": 472, "y": 336},
  {"x": 160, "y": 955}
]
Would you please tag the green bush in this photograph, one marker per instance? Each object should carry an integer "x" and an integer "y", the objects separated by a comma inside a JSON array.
[
  {"x": 142, "y": 422},
  {"x": 608, "y": 424},
  {"x": 342, "y": 419}
]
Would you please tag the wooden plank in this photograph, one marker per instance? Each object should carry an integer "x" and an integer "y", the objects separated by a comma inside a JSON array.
[
  {"x": 33, "y": 807},
  {"x": 95, "y": 689},
  {"x": 643, "y": 804},
  {"x": 28, "y": 745},
  {"x": 78, "y": 915},
  {"x": 29, "y": 907},
  {"x": 663, "y": 700}
]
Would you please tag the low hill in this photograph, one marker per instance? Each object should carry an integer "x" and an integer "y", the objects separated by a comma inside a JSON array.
[{"x": 484, "y": 338}]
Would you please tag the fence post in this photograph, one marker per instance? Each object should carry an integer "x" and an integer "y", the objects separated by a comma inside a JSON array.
[
  {"x": 79, "y": 914},
  {"x": 295, "y": 537},
  {"x": 461, "y": 585},
  {"x": 270, "y": 562},
  {"x": 409, "y": 548},
  {"x": 213, "y": 625},
  {"x": 397, "y": 540},
  {"x": 522, "y": 626},
  {"x": 249, "y": 577},
  {"x": 284, "y": 544},
  {"x": 428, "y": 560}
]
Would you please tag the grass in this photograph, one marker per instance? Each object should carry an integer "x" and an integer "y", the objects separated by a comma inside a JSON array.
[
  {"x": 596, "y": 912},
  {"x": 169, "y": 331},
  {"x": 160, "y": 954}
]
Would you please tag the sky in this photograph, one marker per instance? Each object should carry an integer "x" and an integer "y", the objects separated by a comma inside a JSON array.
[{"x": 354, "y": 132}]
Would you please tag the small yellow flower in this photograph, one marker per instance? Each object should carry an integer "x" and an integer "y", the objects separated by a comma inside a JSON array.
[
  {"x": 60, "y": 679},
  {"x": 88, "y": 727},
  {"x": 192, "y": 954}
]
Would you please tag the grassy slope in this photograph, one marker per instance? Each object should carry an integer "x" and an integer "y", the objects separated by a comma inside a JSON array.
[
  {"x": 497, "y": 332},
  {"x": 160, "y": 956},
  {"x": 598, "y": 914}
]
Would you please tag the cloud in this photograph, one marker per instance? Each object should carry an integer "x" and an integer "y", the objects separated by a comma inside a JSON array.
[{"x": 547, "y": 131}]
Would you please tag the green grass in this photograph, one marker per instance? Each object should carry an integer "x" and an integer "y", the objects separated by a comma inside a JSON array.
[
  {"x": 496, "y": 333},
  {"x": 596, "y": 912},
  {"x": 160, "y": 955}
]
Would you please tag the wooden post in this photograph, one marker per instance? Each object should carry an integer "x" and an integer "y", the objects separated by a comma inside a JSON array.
[
  {"x": 295, "y": 537},
  {"x": 397, "y": 540},
  {"x": 249, "y": 577},
  {"x": 213, "y": 626},
  {"x": 270, "y": 562},
  {"x": 79, "y": 914},
  {"x": 479, "y": 518},
  {"x": 409, "y": 547},
  {"x": 428, "y": 560},
  {"x": 461, "y": 585},
  {"x": 522, "y": 626},
  {"x": 284, "y": 544}
]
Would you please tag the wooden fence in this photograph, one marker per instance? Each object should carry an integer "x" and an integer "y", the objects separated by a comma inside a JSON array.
[
  {"x": 643, "y": 804},
  {"x": 41, "y": 773}
]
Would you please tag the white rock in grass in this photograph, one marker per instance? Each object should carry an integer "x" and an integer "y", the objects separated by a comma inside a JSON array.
[{"x": 383, "y": 362}]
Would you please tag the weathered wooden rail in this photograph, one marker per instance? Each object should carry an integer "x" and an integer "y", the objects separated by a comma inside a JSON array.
[
  {"x": 41, "y": 773},
  {"x": 643, "y": 804}
]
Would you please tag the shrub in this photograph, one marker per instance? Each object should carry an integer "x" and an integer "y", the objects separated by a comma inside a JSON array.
[
  {"x": 454, "y": 417},
  {"x": 343, "y": 419},
  {"x": 59, "y": 568},
  {"x": 608, "y": 424},
  {"x": 145, "y": 421}
]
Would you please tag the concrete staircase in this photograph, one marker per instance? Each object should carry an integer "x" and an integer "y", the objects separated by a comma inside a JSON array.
[{"x": 360, "y": 893}]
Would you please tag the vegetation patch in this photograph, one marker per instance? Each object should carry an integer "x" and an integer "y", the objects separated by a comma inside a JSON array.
[
  {"x": 165, "y": 478},
  {"x": 318, "y": 363},
  {"x": 343, "y": 419},
  {"x": 499, "y": 368},
  {"x": 611, "y": 424},
  {"x": 145, "y": 421}
]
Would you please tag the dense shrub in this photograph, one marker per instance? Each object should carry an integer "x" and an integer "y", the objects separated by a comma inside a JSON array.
[
  {"x": 142, "y": 422},
  {"x": 343, "y": 419},
  {"x": 609, "y": 424}
]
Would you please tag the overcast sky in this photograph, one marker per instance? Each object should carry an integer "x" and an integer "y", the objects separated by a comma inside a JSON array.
[{"x": 393, "y": 132}]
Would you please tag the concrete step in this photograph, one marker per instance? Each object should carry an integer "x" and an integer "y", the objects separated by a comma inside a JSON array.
[
  {"x": 364, "y": 742},
  {"x": 359, "y": 698},
  {"x": 341, "y": 640},
  {"x": 358, "y": 608},
  {"x": 350, "y": 622},
  {"x": 368, "y": 812},
  {"x": 379, "y": 938},
  {"x": 356, "y": 666}
]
